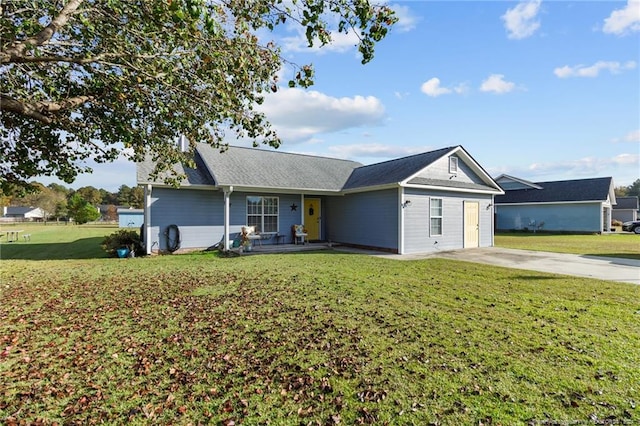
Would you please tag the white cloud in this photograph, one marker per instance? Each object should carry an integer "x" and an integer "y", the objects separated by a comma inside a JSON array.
[
  {"x": 432, "y": 88},
  {"x": 593, "y": 70},
  {"x": 406, "y": 21},
  {"x": 340, "y": 42},
  {"x": 625, "y": 20},
  {"x": 496, "y": 83},
  {"x": 298, "y": 115},
  {"x": 520, "y": 21},
  {"x": 623, "y": 168},
  {"x": 633, "y": 137}
]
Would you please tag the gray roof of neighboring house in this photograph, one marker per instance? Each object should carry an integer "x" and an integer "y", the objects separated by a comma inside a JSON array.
[
  {"x": 596, "y": 189},
  {"x": 626, "y": 203},
  {"x": 392, "y": 171},
  {"x": 19, "y": 210}
]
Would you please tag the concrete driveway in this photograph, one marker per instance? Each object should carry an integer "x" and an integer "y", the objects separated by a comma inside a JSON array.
[{"x": 602, "y": 268}]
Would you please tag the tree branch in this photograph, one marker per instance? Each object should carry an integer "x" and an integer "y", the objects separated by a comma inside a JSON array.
[
  {"x": 41, "y": 110},
  {"x": 17, "y": 48}
]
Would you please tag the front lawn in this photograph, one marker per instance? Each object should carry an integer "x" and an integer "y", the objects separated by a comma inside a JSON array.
[
  {"x": 53, "y": 241},
  {"x": 313, "y": 338},
  {"x": 608, "y": 245}
]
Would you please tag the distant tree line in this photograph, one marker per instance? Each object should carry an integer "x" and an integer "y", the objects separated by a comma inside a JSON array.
[
  {"x": 82, "y": 205},
  {"x": 628, "y": 191}
]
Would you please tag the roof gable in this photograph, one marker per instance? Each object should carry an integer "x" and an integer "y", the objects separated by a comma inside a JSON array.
[
  {"x": 580, "y": 190},
  {"x": 392, "y": 171}
]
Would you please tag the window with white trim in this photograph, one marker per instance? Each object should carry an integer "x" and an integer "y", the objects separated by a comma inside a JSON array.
[
  {"x": 262, "y": 212},
  {"x": 453, "y": 165},
  {"x": 435, "y": 216}
]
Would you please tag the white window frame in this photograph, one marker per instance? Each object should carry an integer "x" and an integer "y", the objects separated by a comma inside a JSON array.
[
  {"x": 260, "y": 224},
  {"x": 453, "y": 165},
  {"x": 433, "y": 217}
]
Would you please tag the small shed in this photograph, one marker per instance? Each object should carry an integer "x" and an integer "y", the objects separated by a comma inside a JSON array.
[{"x": 130, "y": 218}]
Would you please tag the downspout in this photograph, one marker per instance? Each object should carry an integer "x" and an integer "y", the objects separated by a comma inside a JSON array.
[
  {"x": 227, "y": 195},
  {"x": 493, "y": 220},
  {"x": 147, "y": 219}
]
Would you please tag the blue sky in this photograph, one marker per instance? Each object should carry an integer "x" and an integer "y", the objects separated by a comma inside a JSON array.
[{"x": 541, "y": 90}]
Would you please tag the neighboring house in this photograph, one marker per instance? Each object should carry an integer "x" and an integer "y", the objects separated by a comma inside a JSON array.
[
  {"x": 582, "y": 205},
  {"x": 23, "y": 213},
  {"x": 130, "y": 218},
  {"x": 432, "y": 201},
  {"x": 626, "y": 209}
]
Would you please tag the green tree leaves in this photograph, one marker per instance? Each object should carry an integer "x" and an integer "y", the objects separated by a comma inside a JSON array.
[
  {"x": 80, "y": 210},
  {"x": 82, "y": 78}
]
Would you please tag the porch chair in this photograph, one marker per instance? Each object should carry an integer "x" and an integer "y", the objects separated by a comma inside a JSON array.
[{"x": 298, "y": 231}]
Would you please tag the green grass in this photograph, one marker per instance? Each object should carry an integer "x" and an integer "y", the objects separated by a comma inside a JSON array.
[
  {"x": 608, "y": 245},
  {"x": 55, "y": 241},
  {"x": 313, "y": 338}
]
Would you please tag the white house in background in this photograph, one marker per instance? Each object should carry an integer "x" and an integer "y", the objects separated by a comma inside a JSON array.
[
  {"x": 626, "y": 210},
  {"x": 20, "y": 214}
]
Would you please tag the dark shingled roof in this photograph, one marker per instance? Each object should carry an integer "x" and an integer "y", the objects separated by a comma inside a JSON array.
[
  {"x": 393, "y": 171},
  {"x": 596, "y": 189},
  {"x": 626, "y": 203},
  {"x": 19, "y": 210}
]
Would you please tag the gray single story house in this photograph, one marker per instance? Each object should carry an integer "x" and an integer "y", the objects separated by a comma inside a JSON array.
[
  {"x": 438, "y": 200},
  {"x": 626, "y": 209},
  {"x": 582, "y": 205}
]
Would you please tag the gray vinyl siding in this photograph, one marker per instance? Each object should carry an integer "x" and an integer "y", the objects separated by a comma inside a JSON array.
[
  {"x": 196, "y": 213},
  {"x": 439, "y": 170},
  {"x": 556, "y": 217},
  {"x": 417, "y": 238},
  {"x": 199, "y": 216},
  {"x": 367, "y": 219},
  {"x": 625, "y": 215}
]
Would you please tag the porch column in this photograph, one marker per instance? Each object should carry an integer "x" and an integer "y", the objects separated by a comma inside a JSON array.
[
  {"x": 227, "y": 194},
  {"x": 147, "y": 219},
  {"x": 302, "y": 209}
]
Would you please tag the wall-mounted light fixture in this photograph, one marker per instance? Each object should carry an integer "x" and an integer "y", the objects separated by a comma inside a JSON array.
[
  {"x": 406, "y": 203},
  {"x": 489, "y": 206}
]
